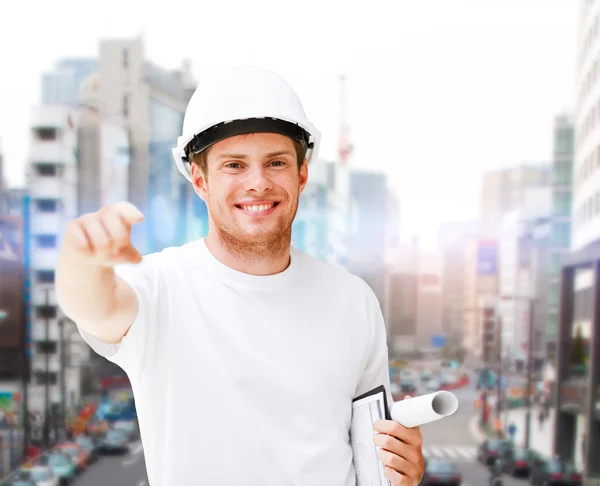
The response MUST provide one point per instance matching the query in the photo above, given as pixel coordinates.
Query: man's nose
(257, 179)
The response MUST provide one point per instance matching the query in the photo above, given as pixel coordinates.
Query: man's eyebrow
(244, 156)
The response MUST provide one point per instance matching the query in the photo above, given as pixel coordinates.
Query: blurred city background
(459, 177)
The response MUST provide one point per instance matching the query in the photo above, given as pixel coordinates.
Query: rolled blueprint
(421, 410)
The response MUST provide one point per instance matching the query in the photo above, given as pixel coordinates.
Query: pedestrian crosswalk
(451, 452)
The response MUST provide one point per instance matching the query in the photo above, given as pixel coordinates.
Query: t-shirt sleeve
(376, 371)
(133, 352)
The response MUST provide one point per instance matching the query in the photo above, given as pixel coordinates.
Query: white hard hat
(239, 100)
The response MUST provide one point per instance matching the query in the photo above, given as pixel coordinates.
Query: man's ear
(303, 174)
(199, 182)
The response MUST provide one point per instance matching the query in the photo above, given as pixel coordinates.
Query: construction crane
(344, 146)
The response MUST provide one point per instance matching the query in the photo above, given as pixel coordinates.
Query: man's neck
(253, 260)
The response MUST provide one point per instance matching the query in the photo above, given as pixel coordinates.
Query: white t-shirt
(243, 379)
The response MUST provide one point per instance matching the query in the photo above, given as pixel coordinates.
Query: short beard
(256, 249)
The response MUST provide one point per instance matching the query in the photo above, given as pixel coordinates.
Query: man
(244, 354)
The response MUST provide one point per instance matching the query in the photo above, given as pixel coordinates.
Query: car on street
(432, 385)
(87, 444)
(441, 472)
(553, 472)
(40, 475)
(491, 449)
(79, 455)
(62, 464)
(517, 461)
(113, 442)
(408, 386)
(129, 427)
(426, 375)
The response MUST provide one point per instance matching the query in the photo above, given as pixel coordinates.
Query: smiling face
(251, 189)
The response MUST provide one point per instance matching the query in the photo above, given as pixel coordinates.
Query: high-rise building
(370, 229)
(61, 86)
(402, 298)
(578, 350)
(321, 226)
(562, 207)
(481, 294)
(150, 102)
(503, 191)
(453, 240)
(523, 246)
(52, 177)
(429, 302)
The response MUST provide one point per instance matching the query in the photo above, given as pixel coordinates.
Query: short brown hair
(201, 159)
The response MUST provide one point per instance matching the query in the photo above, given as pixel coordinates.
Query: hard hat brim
(219, 132)
(208, 137)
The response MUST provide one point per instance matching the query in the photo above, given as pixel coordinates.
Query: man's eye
(278, 163)
(233, 165)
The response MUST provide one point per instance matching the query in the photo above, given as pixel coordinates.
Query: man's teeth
(257, 207)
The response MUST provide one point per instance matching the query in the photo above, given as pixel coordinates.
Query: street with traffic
(456, 448)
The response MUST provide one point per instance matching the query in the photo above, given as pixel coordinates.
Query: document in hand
(366, 410)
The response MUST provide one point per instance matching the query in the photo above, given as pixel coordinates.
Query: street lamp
(531, 301)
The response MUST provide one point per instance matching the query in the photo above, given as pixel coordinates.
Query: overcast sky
(438, 90)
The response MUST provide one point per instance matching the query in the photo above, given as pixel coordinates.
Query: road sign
(438, 341)
(512, 430)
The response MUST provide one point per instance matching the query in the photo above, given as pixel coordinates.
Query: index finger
(128, 212)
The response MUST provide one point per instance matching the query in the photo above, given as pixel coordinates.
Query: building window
(45, 169)
(562, 204)
(553, 295)
(125, 58)
(46, 205)
(552, 326)
(43, 378)
(125, 105)
(46, 134)
(555, 260)
(45, 241)
(44, 276)
(561, 234)
(44, 347)
(563, 174)
(45, 311)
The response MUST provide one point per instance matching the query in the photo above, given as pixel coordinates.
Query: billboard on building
(487, 257)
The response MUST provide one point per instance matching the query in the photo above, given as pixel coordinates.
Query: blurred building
(562, 207)
(524, 247)
(11, 201)
(453, 241)
(2, 181)
(402, 298)
(61, 86)
(12, 330)
(481, 286)
(578, 356)
(150, 103)
(321, 227)
(430, 337)
(52, 177)
(503, 191)
(369, 212)
(104, 154)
